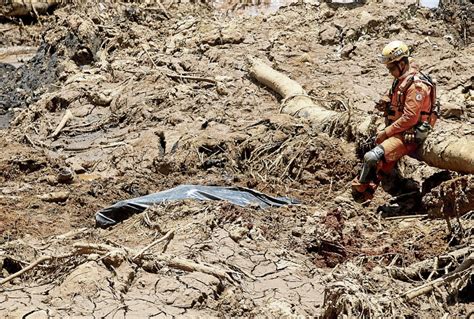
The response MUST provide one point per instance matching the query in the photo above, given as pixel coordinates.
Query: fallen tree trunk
(445, 150)
(19, 8)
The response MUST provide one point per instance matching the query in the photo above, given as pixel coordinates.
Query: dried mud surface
(161, 98)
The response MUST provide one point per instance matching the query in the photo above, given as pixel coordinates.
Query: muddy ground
(160, 97)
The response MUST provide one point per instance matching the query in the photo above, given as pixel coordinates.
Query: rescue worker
(409, 117)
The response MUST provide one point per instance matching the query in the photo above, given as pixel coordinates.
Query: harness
(432, 115)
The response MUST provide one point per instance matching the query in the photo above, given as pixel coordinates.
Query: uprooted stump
(446, 150)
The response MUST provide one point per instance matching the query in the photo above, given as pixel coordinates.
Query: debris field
(104, 102)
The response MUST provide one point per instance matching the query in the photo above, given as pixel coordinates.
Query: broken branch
(67, 116)
(186, 265)
(169, 235)
(193, 78)
(426, 266)
(31, 266)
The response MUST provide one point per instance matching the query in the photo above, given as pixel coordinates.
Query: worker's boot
(362, 192)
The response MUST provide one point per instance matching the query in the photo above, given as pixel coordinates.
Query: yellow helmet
(394, 51)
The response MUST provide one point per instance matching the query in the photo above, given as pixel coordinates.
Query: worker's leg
(394, 149)
(364, 187)
(378, 161)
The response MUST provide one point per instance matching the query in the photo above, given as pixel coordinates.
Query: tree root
(465, 269)
(415, 271)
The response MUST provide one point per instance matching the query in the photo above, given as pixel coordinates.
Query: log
(19, 8)
(16, 51)
(151, 262)
(445, 150)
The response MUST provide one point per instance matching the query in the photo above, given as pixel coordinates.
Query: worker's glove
(383, 104)
(422, 131)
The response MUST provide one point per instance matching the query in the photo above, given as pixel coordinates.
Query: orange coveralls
(408, 107)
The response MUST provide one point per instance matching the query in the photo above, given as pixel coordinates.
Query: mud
(160, 96)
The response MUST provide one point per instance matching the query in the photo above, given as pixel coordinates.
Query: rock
(351, 35)
(63, 100)
(451, 110)
(76, 167)
(99, 98)
(65, 176)
(347, 50)
(329, 35)
(297, 232)
(232, 35)
(55, 197)
(305, 57)
(237, 233)
(279, 309)
(368, 20)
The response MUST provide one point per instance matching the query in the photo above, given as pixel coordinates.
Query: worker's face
(393, 69)
(396, 68)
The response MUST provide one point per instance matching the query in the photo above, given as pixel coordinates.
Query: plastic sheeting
(237, 195)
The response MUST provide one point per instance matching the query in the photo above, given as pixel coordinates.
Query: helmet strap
(399, 68)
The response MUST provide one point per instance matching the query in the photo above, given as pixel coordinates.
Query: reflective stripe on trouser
(394, 148)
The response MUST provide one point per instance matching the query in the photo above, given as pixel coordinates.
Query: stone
(451, 110)
(329, 35)
(237, 233)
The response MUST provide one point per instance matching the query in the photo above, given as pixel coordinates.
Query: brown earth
(163, 98)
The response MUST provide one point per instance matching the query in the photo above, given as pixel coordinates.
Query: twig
(71, 233)
(406, 217)
(28, 139)
(397, 198)
(54, 197)
(67, 116)
(169, 235)
(7, 29)
(31, 266)
(114, 144)
(194, 78)
(149, 56)
(164, 10)
(35, 12)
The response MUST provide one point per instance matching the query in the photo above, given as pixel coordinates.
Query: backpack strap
(402, 90)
